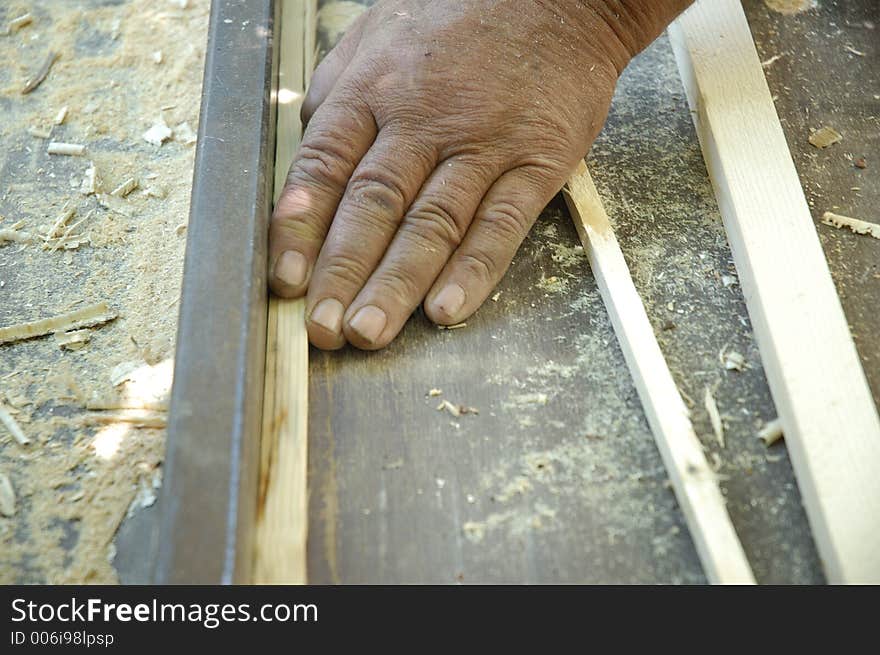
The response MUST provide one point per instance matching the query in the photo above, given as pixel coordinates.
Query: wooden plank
(694, 482)
(282, 521)
(830, 422)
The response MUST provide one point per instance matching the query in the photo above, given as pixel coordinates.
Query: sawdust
(790, 7)
(75, 483)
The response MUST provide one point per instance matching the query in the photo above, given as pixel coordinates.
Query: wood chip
(856, 225)
(69, 149)
(456, 410)
(457, 326)
(38, 77)
(135, 419)
(7, 496)
(824, 137)
(125, 188)
(39, 132)
(733, 361)
(714, 416)
(12, 426)
(61, 115)
(184, 133)
(17, 23)
(435, 392)
(73, 340)
(90, 316)
(90, 184)
(65, 215)
(11, 234)
(158, 134)
(771, 432)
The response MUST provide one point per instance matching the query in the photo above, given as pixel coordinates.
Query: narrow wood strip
(831, 426)
(282, 519)
(694, 482)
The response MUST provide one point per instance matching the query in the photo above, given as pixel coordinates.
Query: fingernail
(450, 300)
(369, 322)
(328, 314)
(291, 268)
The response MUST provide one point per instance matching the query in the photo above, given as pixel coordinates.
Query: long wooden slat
(282, 519)
(694, 482)
(828, 415)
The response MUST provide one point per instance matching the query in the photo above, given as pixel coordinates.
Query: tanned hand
(437, 131)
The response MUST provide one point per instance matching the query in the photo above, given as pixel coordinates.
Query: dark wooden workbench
(558, 479)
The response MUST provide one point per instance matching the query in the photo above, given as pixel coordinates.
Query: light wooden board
(694, 482)
(282, 520)
(830, 421)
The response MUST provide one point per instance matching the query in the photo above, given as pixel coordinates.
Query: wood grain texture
(830, 421)
(694, 482)
(282, 521)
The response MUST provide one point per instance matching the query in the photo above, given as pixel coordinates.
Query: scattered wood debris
(12, 234)
(12, 425)
(17, 23)
(456, 410)
(158, 134)
(125, 188)
(184, 133)
(90, 316)
(496, 297)
(39, 132)
(769, 62)
(69, 149)
(457, 326)
(432, 393)
(732, 360)
(853, 51)
(113, 404)
(157, 57)
(136, 419)
(61, 115)
(771, 432)
(38, 77)
(73, 340)
(714, 416)
(824, 137)
(123, 372)
(861, 163)
(66, 214)
(7, 496)
(856, 225)
(90, 184)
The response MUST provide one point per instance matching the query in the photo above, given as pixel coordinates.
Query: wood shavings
(38, 77)
(90, 184)
(61, 221)
(769, 62)
(17, 23)
(184, 133)
(69, 149)
(856, 225)
(61, 115)
(90, 316)
(733, 361)
(496, 297)
(433, 393)
(113, 404)
(714, 416)
(12, 426)
(824, 137)
(135, 419)
(157, 57)
(853, 51)
(7, 496)
(457, 326)
(11, 234)
(123, 372)
(771, 432)
(125, 188)
(158, 134)
(456, 410)
(73, 340)
(39, 132)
